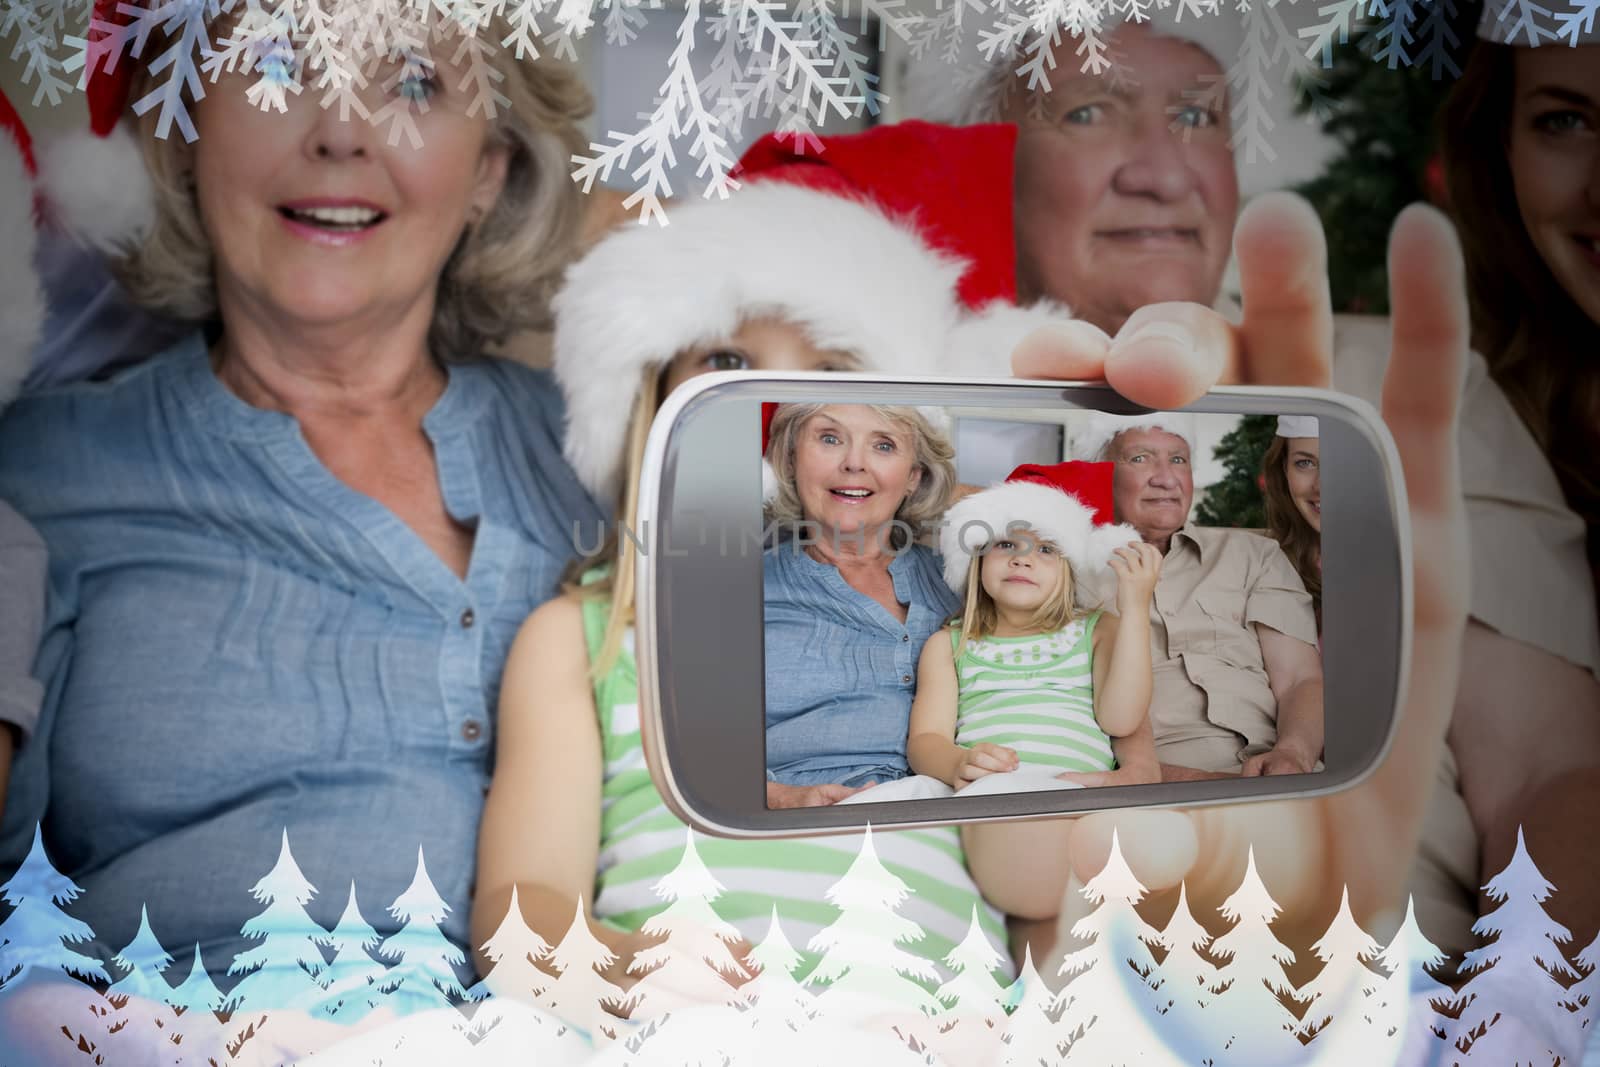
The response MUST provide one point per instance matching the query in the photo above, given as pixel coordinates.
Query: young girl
(1032, 682)
(572, 817)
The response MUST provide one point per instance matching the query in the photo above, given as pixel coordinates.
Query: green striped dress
(641, 840)
(1033, 694)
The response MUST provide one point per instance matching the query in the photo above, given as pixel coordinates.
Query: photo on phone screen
(1071, 599)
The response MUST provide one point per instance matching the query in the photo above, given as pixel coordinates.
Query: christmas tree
(581, 992)
(1339, 994)
(778, 1002)
(352, 977)
(1405, 1007)
(513, 948)
(1235, 499)
(1380, 95)
(1186, 982)
(282, 970)
(139, 1011)
(424, 974)
(1252, 1006)
(1032, 1035)
(36, 934)
(976, 1017)
(193, 1028)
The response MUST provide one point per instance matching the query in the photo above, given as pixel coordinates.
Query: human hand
(1166, 356)
(808, 796)
(981, 759)
(1133, 774)
(1137, 566)
(1283, 758)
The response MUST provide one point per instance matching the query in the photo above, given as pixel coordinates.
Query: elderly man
(1117, 194)
(1237, 676)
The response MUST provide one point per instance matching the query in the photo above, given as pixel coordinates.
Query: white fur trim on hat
(96, 189)
(1096, 431)
(982, 342)
(22, 306)
(1297, 426)
(1052, 514)
(838, 268)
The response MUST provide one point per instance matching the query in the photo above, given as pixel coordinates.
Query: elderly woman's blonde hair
(497, 281)
(930, 449)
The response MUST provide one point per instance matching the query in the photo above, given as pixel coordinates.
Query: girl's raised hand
(1137, 566)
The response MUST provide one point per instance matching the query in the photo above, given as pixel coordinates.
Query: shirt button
(468, 617)
(471, 730)
(906, 678)
(905, 637)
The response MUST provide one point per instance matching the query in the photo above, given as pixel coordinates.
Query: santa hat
(971, 87)
(22, 306)
(1098, 428)
(1531, 26)
(836, 266)
(93, 183)
(1297, 426)
(1066, 504)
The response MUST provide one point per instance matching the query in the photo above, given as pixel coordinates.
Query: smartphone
(762, 673)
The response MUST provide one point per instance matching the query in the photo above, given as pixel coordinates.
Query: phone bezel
(695, 650)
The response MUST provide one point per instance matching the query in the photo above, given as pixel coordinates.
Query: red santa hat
(1066, 504)
(22, 307)
(836, 265)
(93, 183)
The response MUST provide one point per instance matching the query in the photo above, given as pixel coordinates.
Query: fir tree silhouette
(975, 1017)
(424, 974)
(1108, 995)
(35, 936)
(193, 1028)
(693, 961)
(863, 971)
(1032, 1034)
(353, 977)
(1337, 996)
(580, 993)
(514, 949)
(1406, 1007)
(1513, 1007)
(1186, 984)
(138, 999)
(778, 1004)
(1251, 1009)
(281, 971)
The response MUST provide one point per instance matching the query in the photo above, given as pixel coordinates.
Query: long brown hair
(1542, 350)
(1285, 524)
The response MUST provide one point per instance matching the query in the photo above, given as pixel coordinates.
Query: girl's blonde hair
(931, 451)
(499, 279)
(618, 583)
(979, 617)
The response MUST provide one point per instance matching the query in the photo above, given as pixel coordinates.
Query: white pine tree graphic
(424, 974)
(353, 975)
(1186, 983)
(778, 1004)
(35, 936)
(1405, 1006)
(580, 992)
(138, 997)
(693, 962)
(1108, 999)
(1583, 996)
(194, 1028)
(280, 972)
(974, 1021)
(862, 969)
(513, 949)
(1032, 1035)
(1513, 1006)
(1260, 1028)
(1338, 1008)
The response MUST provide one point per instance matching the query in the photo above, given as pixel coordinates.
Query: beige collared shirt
(1211, 705)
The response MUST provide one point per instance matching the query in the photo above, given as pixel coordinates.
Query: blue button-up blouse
(240, 645)
(841, 670)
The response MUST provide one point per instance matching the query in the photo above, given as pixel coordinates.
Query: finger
(1074, 350)
(1283, 273)
(1167, 355)
(1252, 768)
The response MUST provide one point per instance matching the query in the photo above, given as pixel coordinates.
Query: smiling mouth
(335, 219)
(1167, 234)
(851, 494)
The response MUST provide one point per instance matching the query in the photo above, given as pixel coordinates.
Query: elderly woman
(850, 600)
(289, 555)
